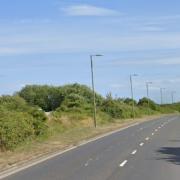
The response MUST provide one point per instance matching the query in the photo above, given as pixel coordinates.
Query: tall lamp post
(172, 96)
(132, 94)
(94, 95)
(147, 88)
(161, 92)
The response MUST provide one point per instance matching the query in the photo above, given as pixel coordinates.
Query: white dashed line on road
(141, 144)
(87, 163)
(152, 134)
(123, 163)
(134, 152)
(147, 139)
(156, 130)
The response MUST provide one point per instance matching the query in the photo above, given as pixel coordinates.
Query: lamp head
(98, 55)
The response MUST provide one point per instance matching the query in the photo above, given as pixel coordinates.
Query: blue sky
(49, 42)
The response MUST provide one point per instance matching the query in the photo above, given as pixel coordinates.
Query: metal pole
(172, 96)
(161, 91)
(94, 96)
(161, 96)
(132, 96)
(147, 86)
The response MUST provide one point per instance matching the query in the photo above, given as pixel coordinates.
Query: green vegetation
(22, 116)
(19, 122)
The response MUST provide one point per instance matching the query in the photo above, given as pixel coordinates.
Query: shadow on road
(170, 154)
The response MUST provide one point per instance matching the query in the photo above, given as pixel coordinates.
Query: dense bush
(49, 98)
(130, 101)
(22, 116)
(74, 102)
(83, 91)
(112, 108)
(15, 128)
(116, 108)
(46, 97)
(19, 122)
(144, 103)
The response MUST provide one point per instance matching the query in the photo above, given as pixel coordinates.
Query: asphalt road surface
(147, 151)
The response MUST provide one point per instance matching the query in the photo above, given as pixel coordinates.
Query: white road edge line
(15, 170)
(134, 152)
(123, 163)
(22, 167)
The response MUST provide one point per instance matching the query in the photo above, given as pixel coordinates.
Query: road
(146, 151)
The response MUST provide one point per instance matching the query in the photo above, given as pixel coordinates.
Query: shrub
(144, 103)
(19, 122)
(15, 128)
(49, 98)
(46, 97)
(111, 107)
(130, 101)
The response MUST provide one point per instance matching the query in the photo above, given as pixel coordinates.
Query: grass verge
(60, 140)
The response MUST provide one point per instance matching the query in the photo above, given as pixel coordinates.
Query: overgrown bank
(23, 119)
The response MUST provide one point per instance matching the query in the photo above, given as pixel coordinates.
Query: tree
(129, 101)
(144, 103)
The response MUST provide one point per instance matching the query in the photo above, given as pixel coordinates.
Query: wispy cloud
(88, 10)
(75, 43)
(149, 29)
(161, 61)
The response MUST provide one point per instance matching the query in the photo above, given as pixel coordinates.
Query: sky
(50, 41)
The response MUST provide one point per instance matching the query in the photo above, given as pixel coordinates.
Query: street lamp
(132, 95)
(94, 95)
(161, 92)
(172, 96)
(147, 87)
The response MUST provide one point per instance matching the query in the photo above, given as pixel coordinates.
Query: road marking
(87, 163)
(123, 163)
(134, 152)
(159, 127)
(141, 144)
(152, 134)
(15, 170)
(156, 130)
(147, 138)
(27, 165)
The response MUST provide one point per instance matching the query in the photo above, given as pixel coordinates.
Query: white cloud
(66, 42)
(88, 10)
(155, 61)
(149, 29)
